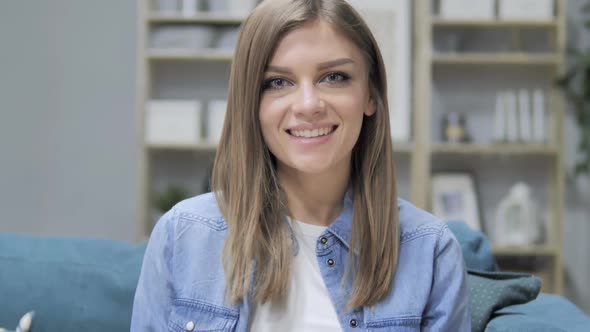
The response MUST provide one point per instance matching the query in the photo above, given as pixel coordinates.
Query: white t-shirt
(308, 306)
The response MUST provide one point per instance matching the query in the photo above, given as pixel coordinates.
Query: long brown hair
(258, 250)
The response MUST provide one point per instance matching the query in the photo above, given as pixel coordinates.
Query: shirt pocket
(196, 316)
(398, 324)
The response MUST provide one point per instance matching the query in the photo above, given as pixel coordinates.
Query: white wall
(67, 128)
(577, 223)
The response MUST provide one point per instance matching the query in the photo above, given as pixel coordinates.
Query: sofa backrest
(72, 284)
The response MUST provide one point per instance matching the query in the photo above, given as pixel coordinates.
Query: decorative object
(389, 22)
(454, 130)
(517, 218)
(242, 7)
(215, 117)
(576, 86)
(173, 122)
(454, 198)
(467, 9)
(182, 37)
(541, 10)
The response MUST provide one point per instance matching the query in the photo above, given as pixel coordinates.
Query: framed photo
(454, 197)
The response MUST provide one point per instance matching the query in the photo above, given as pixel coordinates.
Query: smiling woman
(304, 230)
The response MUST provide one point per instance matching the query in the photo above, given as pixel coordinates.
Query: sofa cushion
(492, 291)
(477, 250)
(72, 284)
(548, 313)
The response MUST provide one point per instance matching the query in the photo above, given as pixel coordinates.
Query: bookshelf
(416, 161)
(435, 73)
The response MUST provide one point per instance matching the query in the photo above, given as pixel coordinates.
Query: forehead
(316, 41)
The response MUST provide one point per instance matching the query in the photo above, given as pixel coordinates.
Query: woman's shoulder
(415, 222)
(200, 209)
(193, 220)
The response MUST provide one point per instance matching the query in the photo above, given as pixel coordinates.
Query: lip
(311, 142)
(312, 126)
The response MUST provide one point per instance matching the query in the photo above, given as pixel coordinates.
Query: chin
(312, 166)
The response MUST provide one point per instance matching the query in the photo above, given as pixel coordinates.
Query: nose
(308, 102)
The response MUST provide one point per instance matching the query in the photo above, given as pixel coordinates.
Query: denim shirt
(182, 283)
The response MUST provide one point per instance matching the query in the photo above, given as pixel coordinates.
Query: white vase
(517, 219)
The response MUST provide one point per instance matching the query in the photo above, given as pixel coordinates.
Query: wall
(67, 85)
(577, 207)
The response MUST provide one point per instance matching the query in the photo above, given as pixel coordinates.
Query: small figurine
(454, 130)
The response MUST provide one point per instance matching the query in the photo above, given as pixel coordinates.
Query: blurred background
(111, 110)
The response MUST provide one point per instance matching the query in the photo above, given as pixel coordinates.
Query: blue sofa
(76, 284)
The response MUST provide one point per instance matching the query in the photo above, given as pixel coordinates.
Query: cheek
(269, 120)
(351, 107)
(264, 114)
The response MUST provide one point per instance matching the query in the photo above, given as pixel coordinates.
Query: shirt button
(190, 326)
(354, 323)
(330, 262)
(324, 240)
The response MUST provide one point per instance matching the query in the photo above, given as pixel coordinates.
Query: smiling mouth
(311, 133)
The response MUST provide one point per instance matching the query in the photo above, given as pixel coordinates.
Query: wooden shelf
(443, 22)
(494, 149)
(204, 18)
(222, 55)
(199, 147)
(495, 59)
(532, 250)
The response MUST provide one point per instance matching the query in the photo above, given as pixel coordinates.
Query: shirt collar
(342, 226)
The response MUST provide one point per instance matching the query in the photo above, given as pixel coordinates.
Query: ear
(371, 107)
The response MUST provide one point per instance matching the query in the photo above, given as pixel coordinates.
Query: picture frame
(454, 198)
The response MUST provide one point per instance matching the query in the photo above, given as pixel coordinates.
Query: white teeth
(311, 133)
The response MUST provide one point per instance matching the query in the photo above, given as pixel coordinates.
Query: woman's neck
(314, 198)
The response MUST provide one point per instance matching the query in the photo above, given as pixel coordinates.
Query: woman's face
(314, 96)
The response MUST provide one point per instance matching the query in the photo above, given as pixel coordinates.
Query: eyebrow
(321, 66)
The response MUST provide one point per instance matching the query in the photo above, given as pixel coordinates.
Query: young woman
(303, 230)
